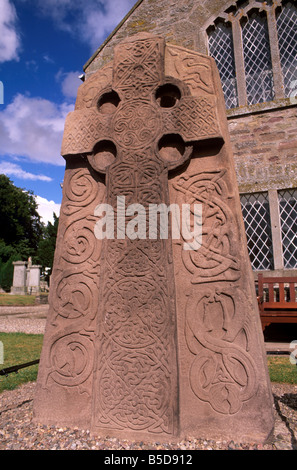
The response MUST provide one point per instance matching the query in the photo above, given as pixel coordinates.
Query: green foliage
(6, 251)
(46, 247)
(20, 225)
(6, 272)
(20, 228)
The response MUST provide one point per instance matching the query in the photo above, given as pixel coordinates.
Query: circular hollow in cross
(104, 154)
(108, 102)
(171, 148)
(168, 95)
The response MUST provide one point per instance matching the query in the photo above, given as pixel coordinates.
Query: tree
(6, 272)
(20, 228)
(20, 225)
(46, 247)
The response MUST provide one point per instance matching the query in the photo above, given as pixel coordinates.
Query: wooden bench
(277, 299)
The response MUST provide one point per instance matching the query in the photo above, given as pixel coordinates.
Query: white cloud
(48, 59)
(33, 128)
(46, 209)
(12, 169)
(9, 37)
(69, 83)
(100, 21)
(90, 20)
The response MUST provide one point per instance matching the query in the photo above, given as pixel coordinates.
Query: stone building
(254, 44)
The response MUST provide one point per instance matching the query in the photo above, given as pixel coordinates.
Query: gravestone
(19, 278)
(33, 279)
(152, 336)
(26, 278)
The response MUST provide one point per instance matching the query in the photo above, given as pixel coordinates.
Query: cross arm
(83, 129)
(193, 118)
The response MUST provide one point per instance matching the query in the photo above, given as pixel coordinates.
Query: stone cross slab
(146, 340)
(146, 122)
(140, 108)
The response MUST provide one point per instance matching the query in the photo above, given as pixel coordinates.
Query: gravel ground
(24, 319)
(23, 325)
(18, 432)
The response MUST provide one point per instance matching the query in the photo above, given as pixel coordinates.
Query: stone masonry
(264, 147)
(263, 136)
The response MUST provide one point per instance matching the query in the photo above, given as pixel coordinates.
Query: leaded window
(287, 37)
(256, 216)
(288, 220)
(254, 44)
(257, 60)
(221, 49)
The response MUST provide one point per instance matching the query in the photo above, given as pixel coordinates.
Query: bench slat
(281, 292)
(292, 293)
(281, 308)
(280, 305)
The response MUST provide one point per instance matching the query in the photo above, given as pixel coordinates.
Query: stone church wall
(263, 135)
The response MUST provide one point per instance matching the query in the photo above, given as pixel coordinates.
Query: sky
(44, 45)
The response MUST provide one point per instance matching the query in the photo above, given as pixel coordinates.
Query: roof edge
(111, 34)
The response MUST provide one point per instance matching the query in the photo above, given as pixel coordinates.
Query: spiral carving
(136, 124)
(79, 242)
(72, 360)
(80, 191)
(74, 285)
(75, 296)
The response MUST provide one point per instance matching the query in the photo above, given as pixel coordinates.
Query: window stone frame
(234, 15)
(276, 231)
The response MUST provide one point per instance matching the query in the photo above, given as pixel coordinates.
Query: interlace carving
(144, 338)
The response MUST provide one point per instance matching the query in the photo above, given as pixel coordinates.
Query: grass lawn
(10, 300)
(281, 370)
(19, 348)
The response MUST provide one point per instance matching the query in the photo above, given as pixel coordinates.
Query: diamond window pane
(288, 217)
(221, 49)
(257, 58)
(287, 37)
(256, 216)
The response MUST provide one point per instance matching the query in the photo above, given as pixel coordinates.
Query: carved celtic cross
(148, 124)
(145, 339)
